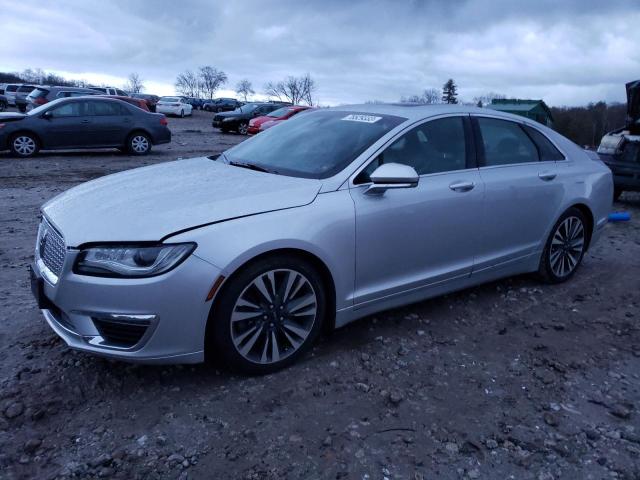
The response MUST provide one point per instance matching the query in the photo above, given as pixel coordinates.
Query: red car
(136, 102)
(278, 115)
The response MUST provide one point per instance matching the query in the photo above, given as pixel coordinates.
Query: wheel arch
(588, 214)
(316, 261)
(139, 130)
(22, 131)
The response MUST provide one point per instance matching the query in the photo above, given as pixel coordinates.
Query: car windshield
(281, 112)
(46, 106)
(169, 99)
(249, 107)
(317, 145)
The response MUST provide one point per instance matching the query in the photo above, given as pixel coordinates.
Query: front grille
(120, 334)
(51, 248)
(217, 118)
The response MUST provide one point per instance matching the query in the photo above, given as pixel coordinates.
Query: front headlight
(131, 260)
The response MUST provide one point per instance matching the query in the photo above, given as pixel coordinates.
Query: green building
(534, 109)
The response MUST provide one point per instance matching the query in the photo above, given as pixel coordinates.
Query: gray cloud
(568, 52)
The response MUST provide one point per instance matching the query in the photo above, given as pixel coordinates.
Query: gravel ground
(510, 380)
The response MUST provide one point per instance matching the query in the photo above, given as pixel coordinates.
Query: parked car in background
(111, 91)
(279, 115)
(45, 94)
(136, 102)
(221, 105)
(2, 87)
(620, 149)
(21, 96)
(82, 122)
(174, 106)
(333, 216)
(238, 120)
(3, 103)
(151, 100)
(196, 103)
(10, 92)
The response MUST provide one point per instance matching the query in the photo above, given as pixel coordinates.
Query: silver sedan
(329, 217)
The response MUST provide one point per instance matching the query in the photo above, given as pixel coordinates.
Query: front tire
(139, 144)
(24, 145)
(565, 247)
(181, 113)
(267, 315)
(3, 106)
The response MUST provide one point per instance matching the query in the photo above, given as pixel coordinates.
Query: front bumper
(171, 311)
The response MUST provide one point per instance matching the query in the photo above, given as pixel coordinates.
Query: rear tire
(139, 143)
(24, 145)
(243, 128)
(289, 301)
(3, 106)
(565, 247)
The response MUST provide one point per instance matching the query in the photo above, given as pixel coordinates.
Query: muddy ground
(510, 380)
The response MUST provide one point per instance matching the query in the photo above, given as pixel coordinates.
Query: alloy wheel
(24, 145)
(273, 316)
(139, 144)
(567, 246)
(243, 128)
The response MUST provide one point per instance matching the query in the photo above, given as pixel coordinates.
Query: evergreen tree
(450, 92)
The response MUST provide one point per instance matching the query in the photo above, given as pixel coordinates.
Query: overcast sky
(568, 52)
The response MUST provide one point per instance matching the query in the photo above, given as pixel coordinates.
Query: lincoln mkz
(332, 216)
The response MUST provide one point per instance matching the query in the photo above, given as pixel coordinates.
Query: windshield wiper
(250, 166)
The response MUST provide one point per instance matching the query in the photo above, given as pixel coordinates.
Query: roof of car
(413, 111)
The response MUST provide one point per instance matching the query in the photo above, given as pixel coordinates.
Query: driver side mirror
(392, 175)
(47, 115)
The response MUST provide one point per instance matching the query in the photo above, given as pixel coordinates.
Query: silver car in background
(332, 216)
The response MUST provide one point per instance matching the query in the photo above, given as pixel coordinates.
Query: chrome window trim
(406, 129)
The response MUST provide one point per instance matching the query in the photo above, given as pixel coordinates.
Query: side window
(548, 151)
(505, 143)
(433, 147)
(104, 108)
(71, 109)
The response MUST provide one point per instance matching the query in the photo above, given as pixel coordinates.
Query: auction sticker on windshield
(362, 118)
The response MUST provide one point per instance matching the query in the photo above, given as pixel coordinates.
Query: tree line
(583, 125)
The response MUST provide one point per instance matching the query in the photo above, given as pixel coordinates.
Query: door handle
(462, 186)
(547, 176)
(84, 121)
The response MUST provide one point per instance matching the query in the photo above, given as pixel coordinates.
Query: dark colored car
(147, 97)
(70, 123)
(280, 114)
(620, 149)
(136, 102)
(3, 103)
(238, 120)
(45, 94)
(21, 96)
(221, 105)
(196, 103)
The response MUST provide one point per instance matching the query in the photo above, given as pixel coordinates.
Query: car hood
(150, 203)
(11, 116)
(633, 101)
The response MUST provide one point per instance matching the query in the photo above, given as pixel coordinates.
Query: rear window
(39, 93)
(548, 152)
(11, 88)
(25, 88)
(169, 99)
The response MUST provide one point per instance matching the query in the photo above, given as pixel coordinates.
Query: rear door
(110, 123)
(68, 125)
(522, 193)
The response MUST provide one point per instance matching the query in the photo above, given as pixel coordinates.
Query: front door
(67, 125)
(407, 239)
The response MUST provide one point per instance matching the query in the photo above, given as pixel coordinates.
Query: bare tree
(293, 89)
(187, 84)
(134, 83)
(428, 97)
(210, 80)
(485, 99)
(244, 88)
